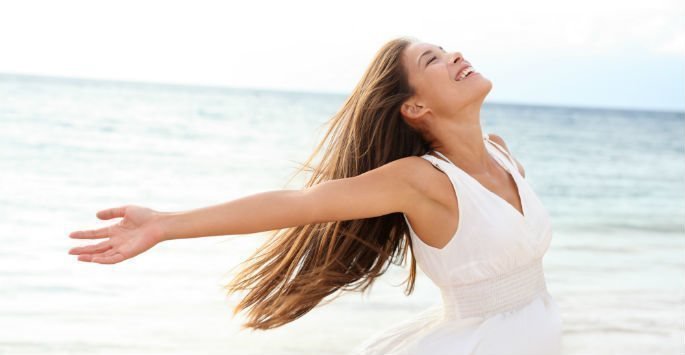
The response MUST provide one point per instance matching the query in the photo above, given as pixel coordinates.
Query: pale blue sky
(621, 54)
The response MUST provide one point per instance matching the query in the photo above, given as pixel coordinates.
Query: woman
(407, 167)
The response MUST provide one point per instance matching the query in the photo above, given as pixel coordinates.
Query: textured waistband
(502, 293)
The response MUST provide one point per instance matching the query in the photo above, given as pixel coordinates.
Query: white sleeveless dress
(494, 296)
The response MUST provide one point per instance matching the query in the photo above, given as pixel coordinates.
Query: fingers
(111, 213)
(91, 234)
(111, 256)
(89, 256)
(102, 232)
(91, 249)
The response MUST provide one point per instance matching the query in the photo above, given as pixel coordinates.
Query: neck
(460, 139)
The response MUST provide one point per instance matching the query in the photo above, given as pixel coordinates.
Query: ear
(413, 109)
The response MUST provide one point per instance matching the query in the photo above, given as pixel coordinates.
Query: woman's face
(433, 73)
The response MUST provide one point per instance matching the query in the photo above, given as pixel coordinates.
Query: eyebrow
(418, 62)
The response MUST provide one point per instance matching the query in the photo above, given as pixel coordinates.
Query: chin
(484, 86)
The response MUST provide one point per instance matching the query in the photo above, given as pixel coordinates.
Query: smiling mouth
(466, 72)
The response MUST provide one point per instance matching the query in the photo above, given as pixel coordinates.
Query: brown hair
(298, 267)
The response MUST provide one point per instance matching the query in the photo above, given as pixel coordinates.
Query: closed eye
(432, 59)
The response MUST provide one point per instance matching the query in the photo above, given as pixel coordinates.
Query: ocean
(612, 180)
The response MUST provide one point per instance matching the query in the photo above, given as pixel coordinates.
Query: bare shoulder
(499, 140)
(397, 186)
(417, 171)
(434, 216)
(413, 168)
(426, 180)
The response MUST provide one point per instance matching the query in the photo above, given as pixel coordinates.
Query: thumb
(112, 213)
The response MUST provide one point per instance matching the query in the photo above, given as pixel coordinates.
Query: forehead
(420, 47)
(416, 49)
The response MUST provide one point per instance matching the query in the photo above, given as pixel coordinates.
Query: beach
(613, 182)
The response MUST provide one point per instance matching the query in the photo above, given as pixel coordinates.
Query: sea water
(612, 180)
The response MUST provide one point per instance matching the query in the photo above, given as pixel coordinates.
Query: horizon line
(319, 92)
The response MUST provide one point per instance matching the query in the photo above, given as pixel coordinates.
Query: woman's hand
(139, 231)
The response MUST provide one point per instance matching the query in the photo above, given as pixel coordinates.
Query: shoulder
(425, 179)
(499, 140)
(389, 188)
(414, 169)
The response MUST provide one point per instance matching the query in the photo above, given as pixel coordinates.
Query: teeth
(464, 73)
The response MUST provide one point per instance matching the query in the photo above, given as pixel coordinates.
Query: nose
(456, 56)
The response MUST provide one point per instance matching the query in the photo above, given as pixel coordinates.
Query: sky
(593, 53)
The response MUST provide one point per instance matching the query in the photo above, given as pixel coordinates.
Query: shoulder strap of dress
(438, 163)
(504, 151)
(443, 156)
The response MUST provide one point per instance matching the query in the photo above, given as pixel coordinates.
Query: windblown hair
(298, 267)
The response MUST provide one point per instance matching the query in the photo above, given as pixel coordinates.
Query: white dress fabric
(494, 296)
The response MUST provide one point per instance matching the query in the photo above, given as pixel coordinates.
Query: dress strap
(436, 162)
(443, 155)
(504, 151)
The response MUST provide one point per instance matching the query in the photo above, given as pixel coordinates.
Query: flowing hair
(298, 267)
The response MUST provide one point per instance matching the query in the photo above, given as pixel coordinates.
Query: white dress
(494, 296)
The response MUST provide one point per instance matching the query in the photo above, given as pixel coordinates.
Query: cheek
(439, 90)
(442, 88)
(438, 84)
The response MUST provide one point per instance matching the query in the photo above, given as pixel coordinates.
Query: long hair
(298, 267)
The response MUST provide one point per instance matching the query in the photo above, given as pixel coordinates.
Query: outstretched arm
(250, 214)
(377, 192)
(386, 189)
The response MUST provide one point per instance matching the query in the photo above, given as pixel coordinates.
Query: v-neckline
(523, 215)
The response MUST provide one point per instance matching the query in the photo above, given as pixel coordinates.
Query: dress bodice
(493, 240)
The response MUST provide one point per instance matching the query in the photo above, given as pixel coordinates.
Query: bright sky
(598, 53)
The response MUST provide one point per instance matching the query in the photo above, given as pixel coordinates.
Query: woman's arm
(393, 187)
(380, 191)
(250, 214)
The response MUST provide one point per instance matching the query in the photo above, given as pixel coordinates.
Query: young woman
(406, 168)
